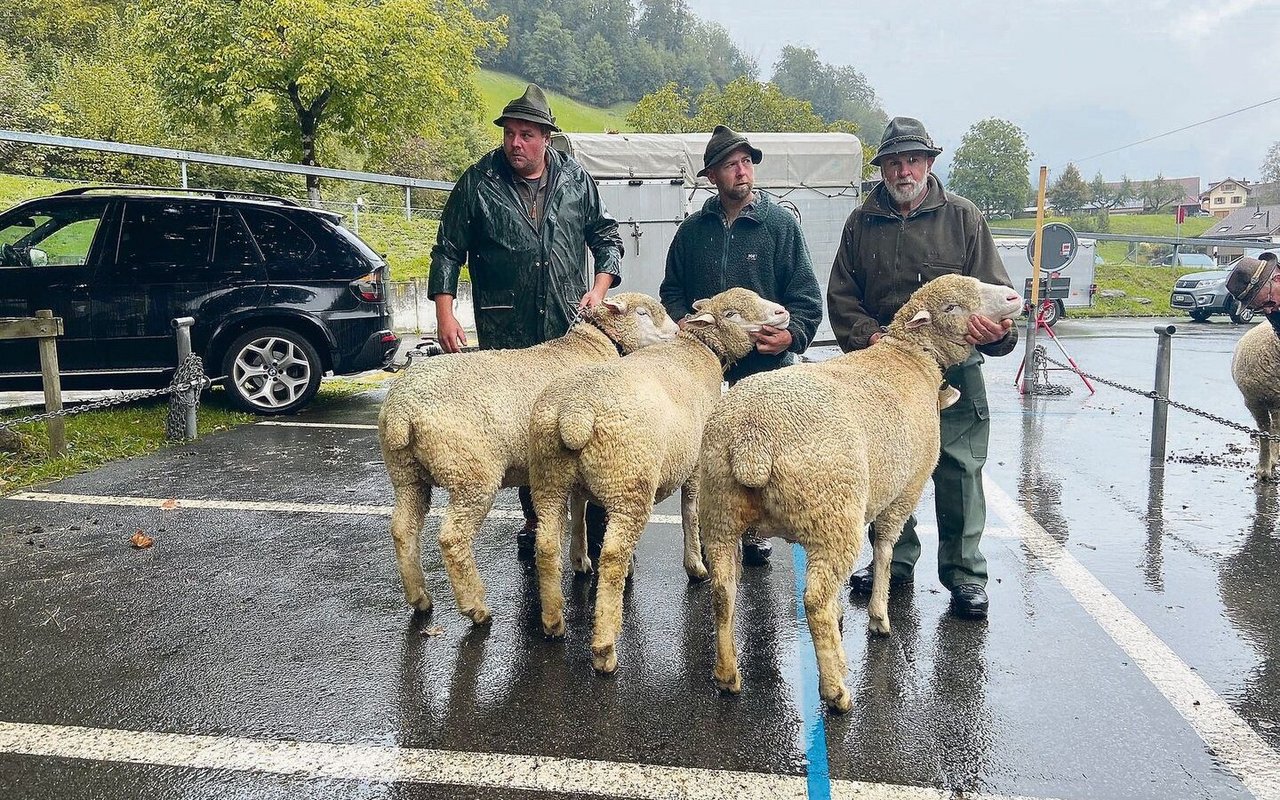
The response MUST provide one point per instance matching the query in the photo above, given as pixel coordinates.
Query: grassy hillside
(498, 88)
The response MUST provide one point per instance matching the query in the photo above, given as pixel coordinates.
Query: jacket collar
(755, 211)
(879, 203)
(495, 165)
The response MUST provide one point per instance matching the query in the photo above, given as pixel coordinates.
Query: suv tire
(1201, 314)
(271, 371)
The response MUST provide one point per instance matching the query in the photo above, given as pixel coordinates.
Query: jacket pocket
(495, 300)
(937, 268)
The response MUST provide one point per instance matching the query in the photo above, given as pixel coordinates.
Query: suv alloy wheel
(271, 371)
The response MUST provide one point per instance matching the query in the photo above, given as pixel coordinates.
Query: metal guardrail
(1194, 241)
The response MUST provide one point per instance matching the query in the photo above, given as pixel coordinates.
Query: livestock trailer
(649, 183)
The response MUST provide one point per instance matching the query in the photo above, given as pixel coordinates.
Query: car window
(278, 238)
(165, 240)
(232, 245)
(56, 235)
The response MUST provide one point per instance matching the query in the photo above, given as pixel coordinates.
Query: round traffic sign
(1060, 245)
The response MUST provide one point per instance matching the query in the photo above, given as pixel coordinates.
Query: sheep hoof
(879, 625)
(604, 659)
(697, 572)
(553, 628)
(421, 603)
(842, 701)
(728, 681)
(582, 566)
(479, 615)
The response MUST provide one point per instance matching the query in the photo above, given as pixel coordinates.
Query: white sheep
(815, 452)
(461, 422)
(1255, 367)
(625, 434)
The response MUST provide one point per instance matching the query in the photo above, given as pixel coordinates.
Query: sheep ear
(703, 320)
(921, 319)
(698, 304)
(615, 305)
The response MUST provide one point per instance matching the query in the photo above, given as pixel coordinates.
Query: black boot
(597, 519)
(527, 536)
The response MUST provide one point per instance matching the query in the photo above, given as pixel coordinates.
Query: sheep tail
(397, 430)
(751, 458)
(577, 422)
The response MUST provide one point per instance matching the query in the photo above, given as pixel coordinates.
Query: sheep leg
(1266, 448)
(724, 557)
(462, 518)
(578, 534)
(887, 528)
(823, 579)
(413, 500)
(621, 535)
(693, 566)
(549, 502)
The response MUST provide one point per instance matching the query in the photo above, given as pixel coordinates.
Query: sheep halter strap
(590, 321)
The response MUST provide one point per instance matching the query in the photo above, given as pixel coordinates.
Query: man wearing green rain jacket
(522, 219)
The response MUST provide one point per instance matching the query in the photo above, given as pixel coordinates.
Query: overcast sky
(1079, 77)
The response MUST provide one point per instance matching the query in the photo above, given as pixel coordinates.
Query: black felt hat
(531, 106)
(722, 143)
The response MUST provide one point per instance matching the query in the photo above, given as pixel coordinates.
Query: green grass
(1152, 283)
(1124, 252)
(131, 430)
(498, 88)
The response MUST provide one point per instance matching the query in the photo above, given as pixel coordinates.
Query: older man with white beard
(909, 231)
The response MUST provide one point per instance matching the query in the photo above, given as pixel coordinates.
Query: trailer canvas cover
(648, 183)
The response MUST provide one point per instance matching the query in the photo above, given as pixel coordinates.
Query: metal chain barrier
(1154, 395)
(1040, 373)
(184, 396)
(189, 376)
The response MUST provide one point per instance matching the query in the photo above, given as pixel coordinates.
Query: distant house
(1251, 222)
(1221, 199)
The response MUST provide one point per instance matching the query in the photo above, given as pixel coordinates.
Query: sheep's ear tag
(921, 319)
(703, 320)
(614, 305)
(947, 396)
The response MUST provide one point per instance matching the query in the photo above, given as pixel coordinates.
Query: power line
(1178, 130)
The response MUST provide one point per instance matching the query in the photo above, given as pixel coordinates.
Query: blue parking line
(814, 732)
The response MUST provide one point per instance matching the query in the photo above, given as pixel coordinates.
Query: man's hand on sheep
(595, 296)
(983, 330)
(771, 341)
(450, 334)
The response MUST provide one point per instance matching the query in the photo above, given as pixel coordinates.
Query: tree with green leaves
(1069, 193)
(663, 111)
(549, 57)
(365, 73)
(835, 92)
(990, 166)
(1159, 193)
(1105, 196)
(747, 105)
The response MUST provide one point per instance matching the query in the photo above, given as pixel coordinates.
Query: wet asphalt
(287, 623)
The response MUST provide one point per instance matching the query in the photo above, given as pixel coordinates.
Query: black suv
(280, 293)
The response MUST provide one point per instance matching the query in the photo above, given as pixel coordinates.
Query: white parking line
(438, 767)
(174, 503)
(1228, 737)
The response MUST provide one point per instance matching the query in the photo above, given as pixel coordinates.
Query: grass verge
(95, 438)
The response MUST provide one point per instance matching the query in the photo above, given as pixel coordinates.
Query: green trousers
(957, 485)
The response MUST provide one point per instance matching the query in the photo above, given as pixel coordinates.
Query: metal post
(408, 202)
(1028, 358)
(183, 165)
(52, 381)
(1160, 405)
(182, 329)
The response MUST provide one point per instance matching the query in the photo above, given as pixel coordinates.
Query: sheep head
(937, 316)
(633, 320)
(727, 322)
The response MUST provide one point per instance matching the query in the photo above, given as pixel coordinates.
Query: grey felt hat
(903, 135)
(531, 106)
(722, 143)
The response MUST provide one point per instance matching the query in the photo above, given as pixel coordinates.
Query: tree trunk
(308, 125)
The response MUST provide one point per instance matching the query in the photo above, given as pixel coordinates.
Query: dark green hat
(902, 135)
(1250, 275)
(722, 143)
(531, 106)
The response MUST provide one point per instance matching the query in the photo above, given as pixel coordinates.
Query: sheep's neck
(910, 346)
(710, 343)
(606, 335)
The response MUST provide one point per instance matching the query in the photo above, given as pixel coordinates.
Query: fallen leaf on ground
(169, 505)
(434, 630)
(140, 540)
